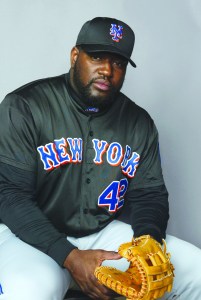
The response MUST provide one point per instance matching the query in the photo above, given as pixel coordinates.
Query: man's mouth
(102, 84)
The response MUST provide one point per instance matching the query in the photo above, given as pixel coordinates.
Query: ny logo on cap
(116, 32)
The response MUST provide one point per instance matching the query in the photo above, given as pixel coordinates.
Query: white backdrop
(37, 35)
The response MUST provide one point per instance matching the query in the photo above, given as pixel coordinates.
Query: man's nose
(106, 68)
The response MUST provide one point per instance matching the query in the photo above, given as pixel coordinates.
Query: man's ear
(74, 56)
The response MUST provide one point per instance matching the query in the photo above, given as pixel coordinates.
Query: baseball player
(75, 156)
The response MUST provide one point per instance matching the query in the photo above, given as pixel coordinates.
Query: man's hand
(82, 263)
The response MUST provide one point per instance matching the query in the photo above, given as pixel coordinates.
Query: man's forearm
(20, 213)
(149, 211)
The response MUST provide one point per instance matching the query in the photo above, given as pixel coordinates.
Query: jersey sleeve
(149, 172)
(18, 133)
(147, 196)
(18, 206)
(148, 210)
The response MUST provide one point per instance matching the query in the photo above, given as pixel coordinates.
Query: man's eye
(120, 63)
(96, 57)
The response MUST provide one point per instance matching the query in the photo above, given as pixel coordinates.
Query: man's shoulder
(36, 93)
(132, 108)
(136, 118)
(36, 97)
(39, 86)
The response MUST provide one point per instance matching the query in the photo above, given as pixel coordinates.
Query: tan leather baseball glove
(149, 275)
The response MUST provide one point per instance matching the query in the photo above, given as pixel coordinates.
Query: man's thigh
(27, 273)
(185, 257)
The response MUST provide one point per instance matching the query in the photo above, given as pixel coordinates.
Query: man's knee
(186, 259)
(40, 282)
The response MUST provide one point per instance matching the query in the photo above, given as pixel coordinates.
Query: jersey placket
(87, 176)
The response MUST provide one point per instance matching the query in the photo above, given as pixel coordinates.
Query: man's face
(97, 77)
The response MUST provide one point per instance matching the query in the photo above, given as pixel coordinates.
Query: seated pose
(75, 154)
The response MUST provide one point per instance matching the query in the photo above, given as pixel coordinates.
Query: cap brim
(106, 48)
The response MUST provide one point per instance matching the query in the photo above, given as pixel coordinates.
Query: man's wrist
(69, 258)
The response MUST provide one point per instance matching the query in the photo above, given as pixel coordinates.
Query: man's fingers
(82, 264)
(99, 290)
(96, 291)
(111, 255)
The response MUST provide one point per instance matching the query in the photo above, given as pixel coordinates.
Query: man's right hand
(82, 263)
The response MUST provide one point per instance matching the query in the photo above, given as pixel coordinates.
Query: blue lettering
(100, 148)
(114, 154)
(131, 165)
(76, 149)
(48, 156)
(116, 32)
(126, 156)
(61, 147)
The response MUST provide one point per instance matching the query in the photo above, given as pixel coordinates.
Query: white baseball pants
(28, 274)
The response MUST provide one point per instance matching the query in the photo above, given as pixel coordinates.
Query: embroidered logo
(116, 33)
(1, 290)
(92, 109)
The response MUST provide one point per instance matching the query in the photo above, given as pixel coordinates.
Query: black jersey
(85, 161)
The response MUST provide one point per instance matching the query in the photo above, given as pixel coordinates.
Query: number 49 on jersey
(113, 195)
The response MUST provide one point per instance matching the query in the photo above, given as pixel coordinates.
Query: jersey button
(88, 180)
(91, 133)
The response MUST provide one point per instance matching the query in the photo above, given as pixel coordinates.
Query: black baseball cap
(103, 34)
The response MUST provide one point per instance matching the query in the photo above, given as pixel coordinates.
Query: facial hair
(85, 94)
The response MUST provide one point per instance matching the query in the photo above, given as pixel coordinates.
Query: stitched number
(123, 185)
(113, 195)
(109, 196)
